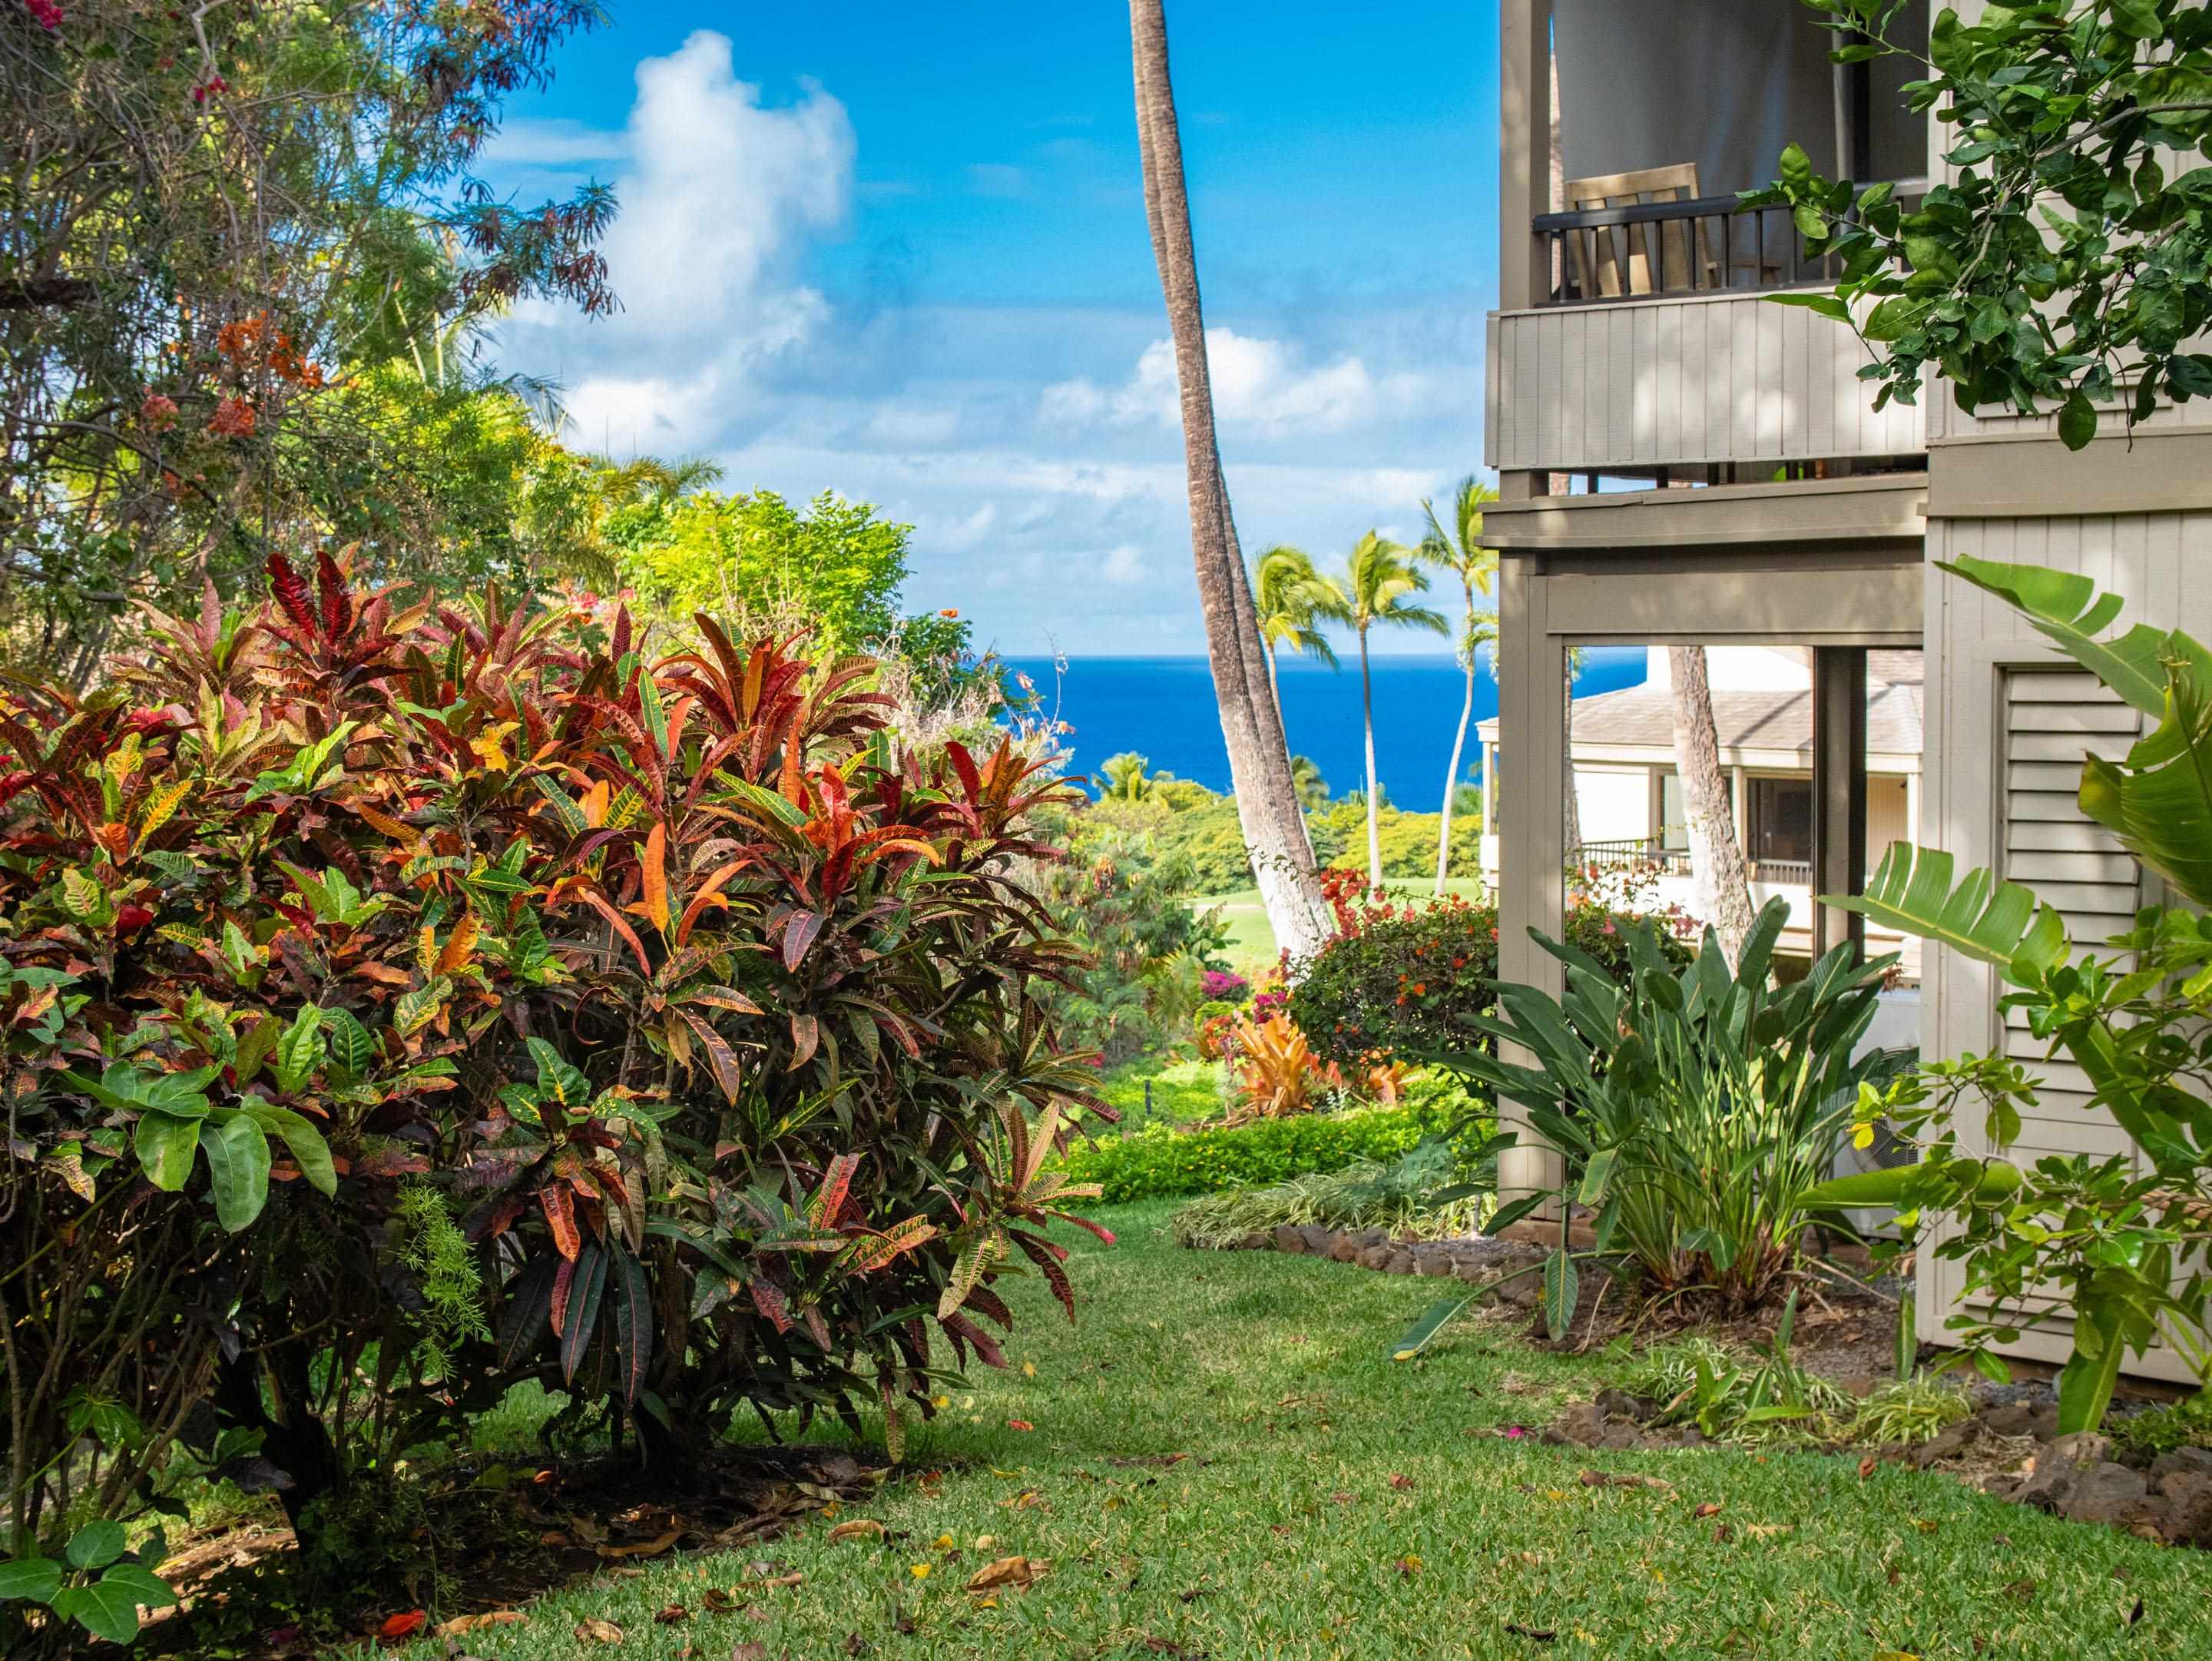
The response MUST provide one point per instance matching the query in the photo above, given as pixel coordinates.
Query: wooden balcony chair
(1611, 260)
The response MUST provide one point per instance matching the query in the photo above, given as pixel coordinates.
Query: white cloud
(721, 196)
(524, 142)
(1123, 565)
(1262, 385)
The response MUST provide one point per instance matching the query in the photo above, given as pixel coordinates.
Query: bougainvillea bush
(402, 1000)
(1405, 981)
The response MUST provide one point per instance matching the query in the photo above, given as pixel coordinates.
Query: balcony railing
(1652, 857)
(1705, 245)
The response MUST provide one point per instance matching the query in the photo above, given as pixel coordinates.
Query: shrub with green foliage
(1411, 979)
(1157, 1161)
(402, 1002)
(1423, 1194)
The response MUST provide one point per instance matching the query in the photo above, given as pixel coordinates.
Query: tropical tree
(1380, 580)
(1460, 552)
(1312, 788)
(1294, 601)
(2061, 260)
(1716, 861)
(1251, 722)
(1121, 778)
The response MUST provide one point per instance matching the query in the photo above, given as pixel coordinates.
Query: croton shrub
(403, 1000)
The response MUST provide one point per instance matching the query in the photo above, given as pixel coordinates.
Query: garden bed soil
(2010, 1447)
(525, 1527)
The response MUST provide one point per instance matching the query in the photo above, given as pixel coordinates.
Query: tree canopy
(2062, 261)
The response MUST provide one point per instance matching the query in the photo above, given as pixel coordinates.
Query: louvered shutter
(2051, 720)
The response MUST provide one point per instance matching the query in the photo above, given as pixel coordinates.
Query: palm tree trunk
(1251, 721)
(1367, 708)
(1573, 804)
(1275, 686)
(1716, 861)
(1459, 743)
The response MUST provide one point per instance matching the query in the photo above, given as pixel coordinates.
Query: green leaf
(1433, 1319)
(1562, 1289)
(1511, 1213)
(2158, 802)
(1993, 922)
(31, 1579)
(1825, 304)
(166, 1146)
(2087, 1381)
(2067, 609)
(104, 1610)
(238, 1164)
(1596, 1176)
(305, 1142)
(97, 1544)
(135, 1580)
(1796, 168)
(299, 1051)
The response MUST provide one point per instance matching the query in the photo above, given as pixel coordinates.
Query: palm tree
(1312, 788)
(1460, 550)
(1123, 777)
(1294, 599)
(1380, 582)
(1251, 722)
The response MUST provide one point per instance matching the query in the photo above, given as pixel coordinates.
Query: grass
(1183, 1092)
(1251, 949)
(1335, 1505)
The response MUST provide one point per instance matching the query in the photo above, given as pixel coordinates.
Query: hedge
(1157, 1162)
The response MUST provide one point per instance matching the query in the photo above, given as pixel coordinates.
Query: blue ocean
(1163, 709)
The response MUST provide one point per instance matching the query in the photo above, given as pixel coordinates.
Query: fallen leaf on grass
(718, 1602)
(1724, 1534)
(598, 1631)
(856, 1645)
(2022, 1590)
(1895, 1655)
(397, 1626)
(752, 1651)
(644, 1547)
(1710, 1508)
(1868, 1466)
(1019, 1424)
(1408, 1567)
(1008, 1572)
(1400, 1481)
(1541, 1634)
(1926, 1524)
(670, 1614)
(1342, 1497)
(860, 1528)
(1767, 1530)
(461, 1623)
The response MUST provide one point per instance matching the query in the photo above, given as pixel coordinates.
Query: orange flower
(233, 418)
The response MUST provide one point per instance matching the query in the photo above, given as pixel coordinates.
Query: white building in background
(1629, 798)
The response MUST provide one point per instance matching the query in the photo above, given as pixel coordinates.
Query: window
(1781, 819)
(1673, 814)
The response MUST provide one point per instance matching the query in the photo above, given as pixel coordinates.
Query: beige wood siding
(1681, 382)
(2009, 720)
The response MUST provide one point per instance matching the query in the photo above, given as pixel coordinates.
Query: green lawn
(1335, 1505)
(1183, 1092)
(1252, 942)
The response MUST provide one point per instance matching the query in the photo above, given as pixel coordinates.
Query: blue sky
(899, 251)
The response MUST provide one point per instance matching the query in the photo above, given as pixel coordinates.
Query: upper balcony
(1635, 339)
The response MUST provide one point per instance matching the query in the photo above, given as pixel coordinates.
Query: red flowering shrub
(1404, 981)
(476, 990)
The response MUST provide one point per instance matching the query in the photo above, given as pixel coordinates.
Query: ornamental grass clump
(402, 1000)
(1696, 1108)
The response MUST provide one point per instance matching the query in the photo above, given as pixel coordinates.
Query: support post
(1839, 792)
(1524, 152)
(1532, 717)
